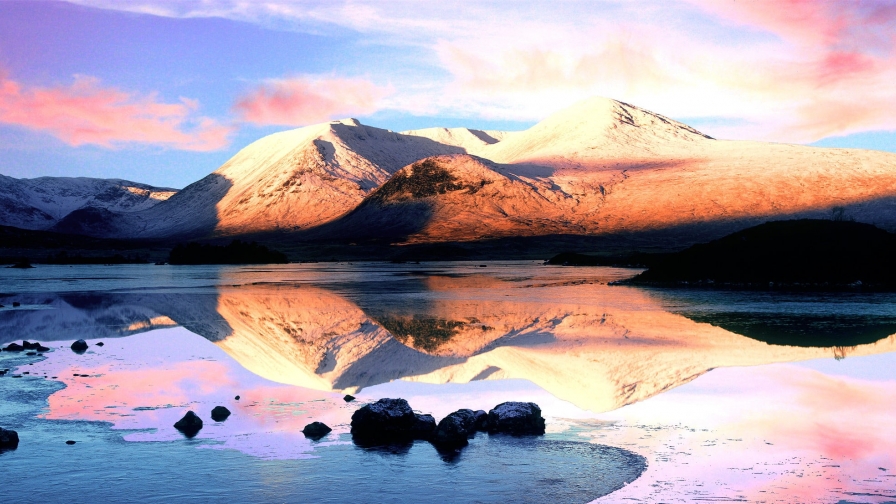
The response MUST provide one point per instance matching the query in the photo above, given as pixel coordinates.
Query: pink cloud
(87, 113)
(302, 100)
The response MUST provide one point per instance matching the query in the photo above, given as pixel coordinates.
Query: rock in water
(14, 347)
(424, 427)
(516, 418)
(480, 418)
(69, 442)
(316, 430)
(100, 343)
(220, 413)
(237, 398)
(348, 398)
(189, 425)
(383, 421)
(79, 346)
(9, 439)
(454, 430)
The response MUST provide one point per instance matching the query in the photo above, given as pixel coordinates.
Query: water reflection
(597, 346)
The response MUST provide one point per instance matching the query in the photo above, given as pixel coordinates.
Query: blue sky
(165, 91)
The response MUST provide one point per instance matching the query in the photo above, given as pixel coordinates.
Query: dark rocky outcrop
(316, 430)
(516, 418)
(348, 398)
(14, 347)
(805, 254)
(189, 425)
(9, 439)
(424, 427)
(384, 421)
(455, 429)
(79, 346)
(220, 413)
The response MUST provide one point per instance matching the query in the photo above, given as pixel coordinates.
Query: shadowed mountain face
(595, 345)
(599, 168)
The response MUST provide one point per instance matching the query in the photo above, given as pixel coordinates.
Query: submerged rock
(79, 346)
(189, 425)
(424, 427)
(454, 430)
(383, 421)
(516, 418)
(220, 413)
(316, 430)
(9, 439)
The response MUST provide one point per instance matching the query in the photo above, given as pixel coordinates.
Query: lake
(649, 395)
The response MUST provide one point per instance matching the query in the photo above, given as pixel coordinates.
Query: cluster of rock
(393, 420)
(26, 345)
(191, 424)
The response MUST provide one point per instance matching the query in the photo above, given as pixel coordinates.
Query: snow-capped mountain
(40, 203)
(600, 167)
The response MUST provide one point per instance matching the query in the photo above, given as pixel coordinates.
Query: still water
(649, 395)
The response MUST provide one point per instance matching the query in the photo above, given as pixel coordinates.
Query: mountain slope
(287, 181)
(39, 203)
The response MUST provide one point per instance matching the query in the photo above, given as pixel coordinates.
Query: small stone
(79, 346)
(516, 418)
(424, 427)
(69, 442)
(454, 430)
(348, 398)
(9, 439)
(220, 413)
(316, 430)
(382, 422)
(480, 420)
(100, 343)
(189, 425)
(30, 353)
(237, 398)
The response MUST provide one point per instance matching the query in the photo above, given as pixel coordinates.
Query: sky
(165, 91)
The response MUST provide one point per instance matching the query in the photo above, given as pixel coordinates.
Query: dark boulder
(100, 343)
(27, 345)
(41, 348)
(79, 346)
(220, 413)
(348, 398)
(9, 439)
(316, 430)
(16, 304)
(480, 420)
(383, 421)
(237, 398)
(69, 442)
(189, 425)
(424, 427)
(14, 347)
(516, 418)
(454, 430)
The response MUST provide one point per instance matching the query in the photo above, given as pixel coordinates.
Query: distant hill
(794, 254)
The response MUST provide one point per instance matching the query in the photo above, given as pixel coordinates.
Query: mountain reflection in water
(597, 346)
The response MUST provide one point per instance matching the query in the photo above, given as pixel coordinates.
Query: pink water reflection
(776, 433)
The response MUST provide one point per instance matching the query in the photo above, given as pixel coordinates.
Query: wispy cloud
(306, 100)
(791, 70)
(85, 112)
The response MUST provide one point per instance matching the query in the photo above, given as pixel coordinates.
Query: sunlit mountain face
(598, 168)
